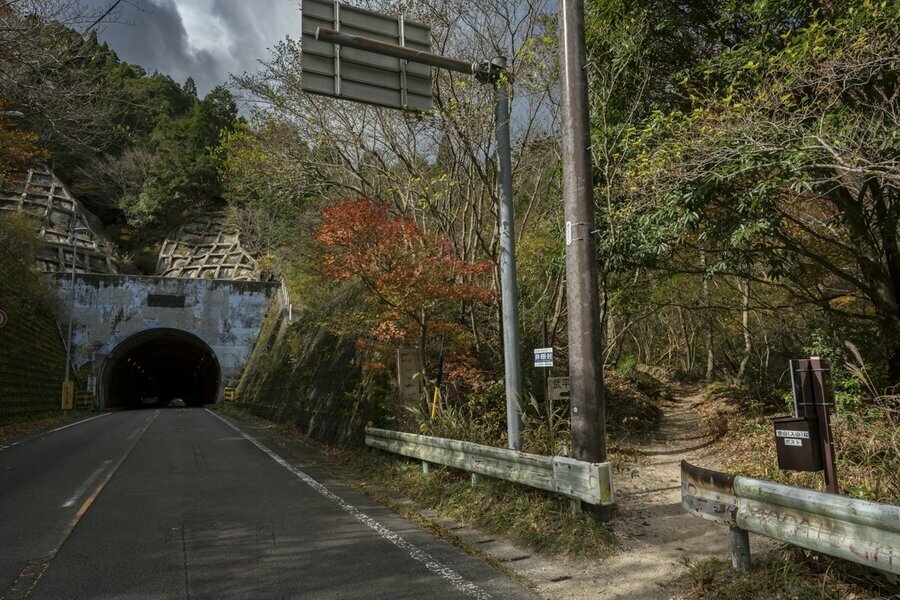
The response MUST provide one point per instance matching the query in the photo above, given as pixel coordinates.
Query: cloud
(203, 39)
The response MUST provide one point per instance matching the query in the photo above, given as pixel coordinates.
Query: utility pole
(585, 366)
(68, 391)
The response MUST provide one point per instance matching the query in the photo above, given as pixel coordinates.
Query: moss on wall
(300, 373)
(32, 354)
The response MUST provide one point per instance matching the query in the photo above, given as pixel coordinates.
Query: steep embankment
(302, 374)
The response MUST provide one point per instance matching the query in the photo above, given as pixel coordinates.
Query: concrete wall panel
(108, 309)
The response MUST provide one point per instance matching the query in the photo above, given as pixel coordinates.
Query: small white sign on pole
(543, 357)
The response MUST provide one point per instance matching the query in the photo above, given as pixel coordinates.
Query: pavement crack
(184, 562)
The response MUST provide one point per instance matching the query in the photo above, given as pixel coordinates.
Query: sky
(203, 39)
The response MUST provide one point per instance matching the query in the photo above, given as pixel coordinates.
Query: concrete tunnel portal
(154, 367)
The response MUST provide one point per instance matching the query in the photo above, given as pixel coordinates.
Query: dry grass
(867, 445)
(790, 573)
(868, 465)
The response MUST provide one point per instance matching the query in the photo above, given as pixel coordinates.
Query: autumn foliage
(19, 149)
(416, 279)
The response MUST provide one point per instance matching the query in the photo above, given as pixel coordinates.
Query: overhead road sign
(356, 74)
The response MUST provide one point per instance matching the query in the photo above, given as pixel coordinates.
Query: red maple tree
(417, 279)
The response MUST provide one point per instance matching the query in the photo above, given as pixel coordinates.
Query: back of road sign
(359, 75)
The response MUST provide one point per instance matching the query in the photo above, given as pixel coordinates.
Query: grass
(868, 467)
(531, 518)
(790, 573)
(13, 429)
(867, 446)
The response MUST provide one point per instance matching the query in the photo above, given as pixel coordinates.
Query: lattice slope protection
(206, 248)
(62, 221)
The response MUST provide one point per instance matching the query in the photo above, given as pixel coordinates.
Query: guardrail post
(575, 506)
(476, 479)
(740, 549)
(426, 467)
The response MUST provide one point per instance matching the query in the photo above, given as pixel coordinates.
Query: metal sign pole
(509, 294)
(585, 367)
(819, 374)
(485, 73)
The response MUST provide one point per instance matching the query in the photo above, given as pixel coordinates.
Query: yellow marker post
(434, 403)
(68, 395)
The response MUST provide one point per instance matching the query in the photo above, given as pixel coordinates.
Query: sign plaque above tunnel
(333, 70)
(165, 301)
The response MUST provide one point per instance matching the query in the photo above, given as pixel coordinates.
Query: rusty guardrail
(864, 532)
(579, 480)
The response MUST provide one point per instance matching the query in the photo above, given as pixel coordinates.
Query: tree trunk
(707, 317)
(745, 324)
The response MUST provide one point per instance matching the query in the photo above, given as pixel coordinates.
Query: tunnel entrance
(158, 367)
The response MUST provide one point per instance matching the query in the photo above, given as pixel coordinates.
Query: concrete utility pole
(68, 388)
(585, 364)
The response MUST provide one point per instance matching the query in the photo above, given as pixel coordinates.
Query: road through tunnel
(155, 367)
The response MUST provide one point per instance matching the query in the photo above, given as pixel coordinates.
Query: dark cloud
(203, 39)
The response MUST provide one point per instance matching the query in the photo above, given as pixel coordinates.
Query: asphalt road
(181, 503)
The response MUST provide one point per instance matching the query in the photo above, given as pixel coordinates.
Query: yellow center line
(45, 561)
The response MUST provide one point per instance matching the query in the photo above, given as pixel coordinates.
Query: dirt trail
(659, 539)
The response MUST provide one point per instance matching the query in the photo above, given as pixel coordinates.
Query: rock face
(62, 223)
(206, 248)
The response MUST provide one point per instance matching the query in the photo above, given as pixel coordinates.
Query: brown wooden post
(820, 375)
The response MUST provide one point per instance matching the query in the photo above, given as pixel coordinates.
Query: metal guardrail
(589, 482)
(864, 532)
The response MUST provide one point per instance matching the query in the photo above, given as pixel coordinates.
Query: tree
(19, 149)
(416, 279)
(183, 176)
(787, 159)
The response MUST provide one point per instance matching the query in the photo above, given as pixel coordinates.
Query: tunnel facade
(160, 367)
(160, 321)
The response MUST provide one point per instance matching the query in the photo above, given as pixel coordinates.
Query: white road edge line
(458, 581)
(14, 444)
(77, 423)
(90, 480)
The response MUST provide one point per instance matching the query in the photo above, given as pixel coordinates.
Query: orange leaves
(19, 149)
(409, 270)
(416, 277)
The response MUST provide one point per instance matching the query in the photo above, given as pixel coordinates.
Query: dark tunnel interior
(157, 367)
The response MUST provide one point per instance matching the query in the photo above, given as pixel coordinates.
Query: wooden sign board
(68, 395)
(409, 374)
(558, 388)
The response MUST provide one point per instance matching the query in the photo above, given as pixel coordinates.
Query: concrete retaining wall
(302, 374)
